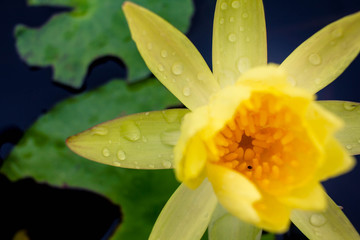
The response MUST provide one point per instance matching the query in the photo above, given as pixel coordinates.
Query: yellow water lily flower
(255, 140)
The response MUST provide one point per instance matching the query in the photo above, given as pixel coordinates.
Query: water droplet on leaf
(170, 137)
(235, 4)
(130, 131)
(170, 116)
(224, 6)
(232, 37)
(166, 164)
(106, 152)
(99, 131)
(121, 155)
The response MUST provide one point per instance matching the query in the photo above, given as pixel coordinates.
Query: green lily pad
(43, 155)
(70, 41)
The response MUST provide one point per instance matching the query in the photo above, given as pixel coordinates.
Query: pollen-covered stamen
(261, 141)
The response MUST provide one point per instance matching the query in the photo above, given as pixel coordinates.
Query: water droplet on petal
(245, 15)
(314, 59)
(243, 64)
(186, 91)
(292, 81)
(317, 219)
(232, 37)
(317, 81)
(224, 6)
(151, 166)
(147, 113)
(117, 164)
(130, 131)
(121, 155)
(170, 116)
(161, 67)
(177, 68)
(349, 106)
(222, 20)
(349, 147)
(99, 131)
(235, 4)
(231, 19)
(164, 53)
(166, 164)
(337, 33)
(242, 29)
(149, 46)
(201, 76)
(144, 139)
(247, 39)
(170, 137)
(106, 152)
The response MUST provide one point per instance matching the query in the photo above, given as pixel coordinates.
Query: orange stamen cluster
(262, 141)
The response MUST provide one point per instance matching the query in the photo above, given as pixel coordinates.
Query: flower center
(265, 142)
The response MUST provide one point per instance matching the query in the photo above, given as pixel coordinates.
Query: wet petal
(349, 112)
(274, 215)
(223, 225)
(331, 224)
(123, 142)
(235, 192)
(190, 152)
(324, 56)
(310, 197)
(171, 57)
(337, 161)
(239, 38)
(186, 215)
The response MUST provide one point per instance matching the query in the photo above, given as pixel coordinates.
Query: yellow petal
(330, 224)
(311, 197)
(191, 168)
(239, 38)
(325, 55)
(117, 142)
(171, 57)
(349, 135)
(336, 162)
(322, 123)
(235, 192)
(274, 215)
(190, 148)
(186, 215)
